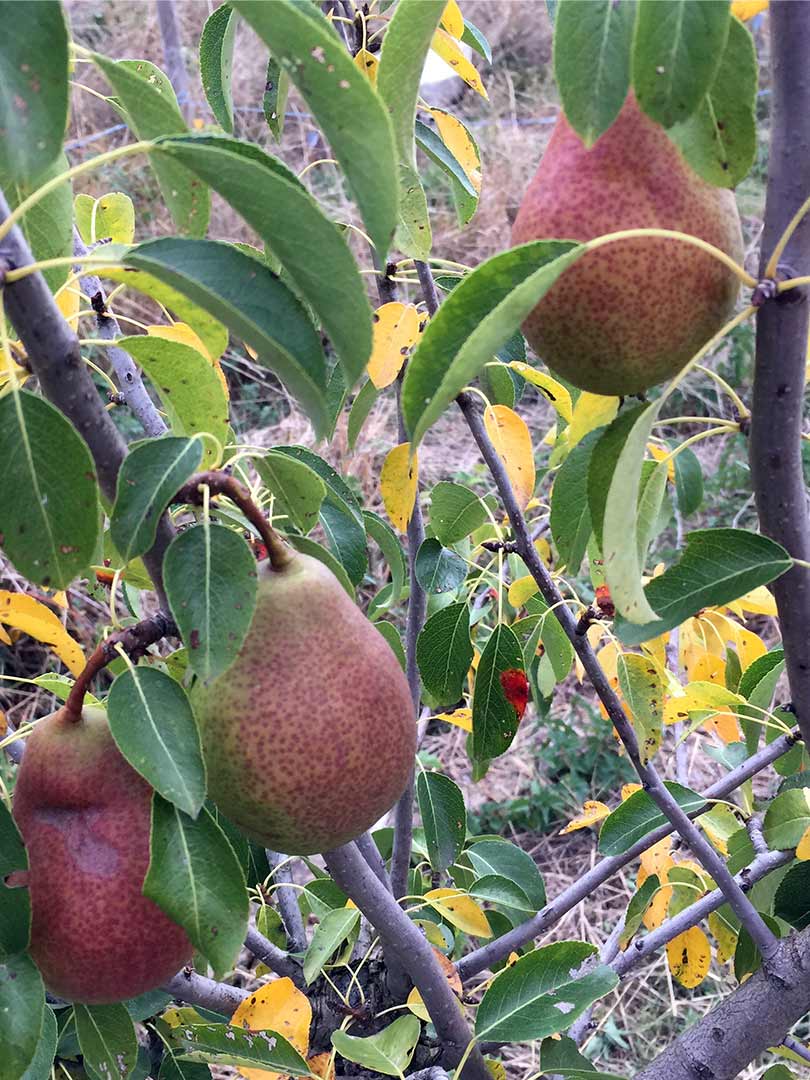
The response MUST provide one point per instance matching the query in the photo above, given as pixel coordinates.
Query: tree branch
(781, 352)
(173, 54)
(274, 957)
(126, 371)
(402, 938)
(196, 989)
(287, 900)
(55, 358)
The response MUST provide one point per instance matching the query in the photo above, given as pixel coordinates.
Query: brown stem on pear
(135, 640)
(220, 483)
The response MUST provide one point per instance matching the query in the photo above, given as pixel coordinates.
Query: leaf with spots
(33, 88)
(689, 956)
(110, 217)
(154, 728)
(510, 437)
(211, 580)
(277, 1007)
(643, 691)
(541, 993)
(460, 910)
(225, 1044)
(36, 619)
(107, 1040)
(49, 513)
(150, 476)
(216, 63)
(495, 714)
(396, 331)
(195, 877)
(399, 481)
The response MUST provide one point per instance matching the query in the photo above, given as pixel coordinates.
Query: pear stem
(135, 640)
(220, 483)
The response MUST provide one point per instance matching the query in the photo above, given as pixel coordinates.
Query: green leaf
(227, 1045)
(308, 49)
(780, 1072)
(500, 857)
(48, 224)
(636, 909)
(444, 818)
(495, 718)
(188, 385)
(42, 1061)
(473, 37)
(317, 551)
(210, 579)
(677, 48)
(688, 482)
(747, 958)
(216, 63)
(150, 477)
(295, 229)
(388, 1052)
(174, 1068)
(431, 143)
(347, 540)
(496, 889)
(361, 407)
(438, 569)
(760, 669)
(643, 691)
(719, 140)
(570, 519)
(339, 493)
(479, 315)
(558, 649)
(154, 728)
(298, 489)
(196, 878)
(107, 1040)
(110, 217)
(638, 816)
(455, 512)
(792, 899)
(402, 59)
(540, 994)
(444, 653)
(718, 566)
(22, 1007)
(329, 935)
(274, 99)
(33, 88)
(392, 636)
(652, 488)
(151, 110)
(49, 521)
(250, 300)
(787, 819)
(388, 542)
(413, 236)
(592, 62)
(15, 903)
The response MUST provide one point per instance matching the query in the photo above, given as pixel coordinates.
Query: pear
(84, 815)
(309, 736)
(632, 313)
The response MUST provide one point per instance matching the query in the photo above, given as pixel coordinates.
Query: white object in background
(439, 84)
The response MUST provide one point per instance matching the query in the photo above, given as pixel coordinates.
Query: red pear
(84, 815)
(632, 313)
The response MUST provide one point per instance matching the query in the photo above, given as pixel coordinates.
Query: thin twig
(275, 958)
(287, 900)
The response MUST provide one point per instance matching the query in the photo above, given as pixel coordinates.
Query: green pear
(309, 736)
(84, 815)
(632, 313)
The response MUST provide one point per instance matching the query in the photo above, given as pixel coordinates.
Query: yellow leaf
(183, 333)
(278, 1006)
(660, 453)
(417, 1005)
(747, 9)
(700, 696)
(689, 956)
(706, 667)
(803, 847)
(629, 789)
(322, 1065)
(449, 51)
(3, 724)
(60, 598)
(182, 1015)
(512, 440)
(460, 143)
(556, 393)
(396, 329)
(415, 1002)
(497, 1070)
(399, 478)
(460, 717)
(749, 647)
(11, 373)
(759, 601)
(460, 910)
(543, 549)
(725, 938)
(4, 636)
(368, 64)
(432, 932)
(592, 812)
(38, 621)
(550, 436)
(452, 19)
(521, 589)
(590, 412)
(68, 300)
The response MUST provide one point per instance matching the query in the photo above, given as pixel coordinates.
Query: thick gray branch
(402, 937)
(274, 957)
(781, 354)
(126, 370)
(196, 989)
(173, 54)
(54, 355)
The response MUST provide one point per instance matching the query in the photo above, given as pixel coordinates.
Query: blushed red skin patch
(515, 686)
(84, 815)
(309, 737)
(631, 314)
